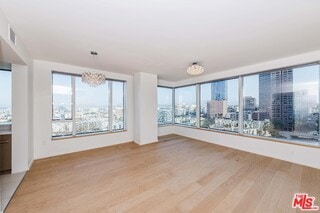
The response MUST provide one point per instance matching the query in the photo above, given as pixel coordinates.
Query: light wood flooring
(177, 174)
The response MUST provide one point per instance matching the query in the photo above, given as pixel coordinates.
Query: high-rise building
(219, 90)
(260, 116)
(249, 103)
(282, 111)
(217, 108)
(276, 98)
(265, 96)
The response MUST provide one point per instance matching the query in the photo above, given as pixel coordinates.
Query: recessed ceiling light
(195, 69)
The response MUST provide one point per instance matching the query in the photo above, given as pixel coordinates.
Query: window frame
(73, 107)
(241, 105)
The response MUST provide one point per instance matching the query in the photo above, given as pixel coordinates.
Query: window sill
(85, 135)
(165, 125)
(275, 140)
(187, 126)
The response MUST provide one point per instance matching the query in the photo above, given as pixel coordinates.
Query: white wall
(44, 146)
(30, 113)
(309, 156)
(146, 123)
(21, 62)
(299, 154)
(166, 130)
(20, 137)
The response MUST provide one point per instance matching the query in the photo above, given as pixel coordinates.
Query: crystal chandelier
(93, 79)
(195, 69)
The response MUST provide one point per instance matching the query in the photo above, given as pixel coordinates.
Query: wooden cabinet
(5, 153)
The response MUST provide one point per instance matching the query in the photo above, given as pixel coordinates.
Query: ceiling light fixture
(93, 79)
(195, 69)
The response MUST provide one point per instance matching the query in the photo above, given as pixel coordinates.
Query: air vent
(12, 35)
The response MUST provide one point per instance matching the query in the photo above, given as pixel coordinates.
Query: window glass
(61, 105)
(61, 128)
(165, 109)
(5, 97)
(185, 106)
(283, 104)
(118, 105)
(91, 109)
(220, 105)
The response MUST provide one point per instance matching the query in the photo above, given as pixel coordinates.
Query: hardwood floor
(175, 175)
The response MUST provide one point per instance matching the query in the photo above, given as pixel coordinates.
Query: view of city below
(165, 114)
(185, 109)
(5, 115)
(165, 110)
(87, 120)
(286, 106)
(186, 114)
(219, 105)
(5, 98)
(282, 104)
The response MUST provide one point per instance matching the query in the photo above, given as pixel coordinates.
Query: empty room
(159, 106)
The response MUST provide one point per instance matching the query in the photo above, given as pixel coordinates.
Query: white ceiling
(165, 36)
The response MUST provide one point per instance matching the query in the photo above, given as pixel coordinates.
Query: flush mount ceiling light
(93, 79)
(195, 69)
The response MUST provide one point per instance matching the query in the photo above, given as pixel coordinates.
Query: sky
(187, 95)
(164, 96)
(232, 92)
(85, 94)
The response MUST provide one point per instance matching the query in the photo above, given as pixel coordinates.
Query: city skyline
(301, 81)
